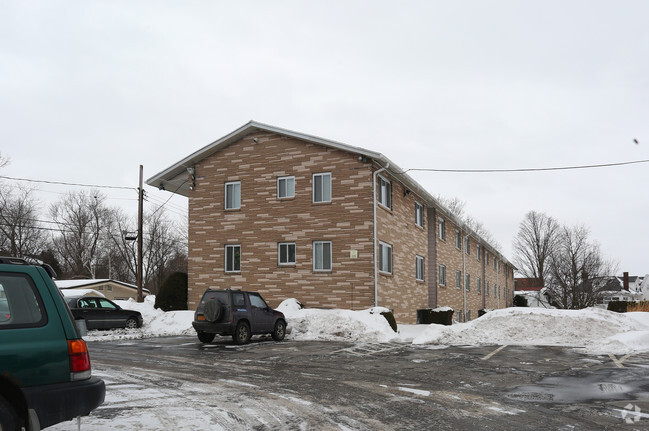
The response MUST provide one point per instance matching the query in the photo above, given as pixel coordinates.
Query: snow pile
(337, 325)
(593, 329)
(157, 323)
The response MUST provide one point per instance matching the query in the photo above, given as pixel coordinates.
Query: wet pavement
(335, 385)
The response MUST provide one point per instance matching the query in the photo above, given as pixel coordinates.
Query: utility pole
(140, 235)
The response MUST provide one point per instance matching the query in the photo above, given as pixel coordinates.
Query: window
(238, 300)
(459, 316)
(486, 290)
(232, 258)
(468, 315)
(419, 214)
(233, 195)
(20, 305)
(256, 301)
(477, 251)
(479, 285)
(285, 187)
(322, 255)
(385, 192)
(419, 268)
(467, 282)
(442, 275)
(385, 257)
(458, 279)
(286, 253)
(486, 253)
(441, 225)
(467, 245)
(322, 187)
(458, 239)
(495, 263)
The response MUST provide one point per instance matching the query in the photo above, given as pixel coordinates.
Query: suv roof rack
(18, 261)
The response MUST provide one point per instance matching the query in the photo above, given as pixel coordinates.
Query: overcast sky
(89, 90)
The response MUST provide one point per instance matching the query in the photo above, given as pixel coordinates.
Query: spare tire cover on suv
(212, 310)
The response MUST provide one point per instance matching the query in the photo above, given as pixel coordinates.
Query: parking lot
(176, 382)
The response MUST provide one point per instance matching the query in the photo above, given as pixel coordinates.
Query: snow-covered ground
(592, 330)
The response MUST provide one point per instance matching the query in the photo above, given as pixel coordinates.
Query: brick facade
(254, 157)
(264, 220)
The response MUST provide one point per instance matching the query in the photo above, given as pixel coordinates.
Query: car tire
(279, 331)
(242, 333)
(131, 323)
(204, 337)
(8, 416)
(212, 310)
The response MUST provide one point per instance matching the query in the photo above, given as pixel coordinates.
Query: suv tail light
(79, 360)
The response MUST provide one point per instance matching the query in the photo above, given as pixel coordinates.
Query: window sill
(386, 274)
(233, 210)
(322, 203)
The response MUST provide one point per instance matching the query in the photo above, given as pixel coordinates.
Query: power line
(68, 184)
(561, 168)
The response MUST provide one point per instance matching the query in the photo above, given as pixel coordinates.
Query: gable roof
(176, 178)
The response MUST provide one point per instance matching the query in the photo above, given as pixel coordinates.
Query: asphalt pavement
(178, 382)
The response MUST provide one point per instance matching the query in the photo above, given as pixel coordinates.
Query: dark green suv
(45, 373)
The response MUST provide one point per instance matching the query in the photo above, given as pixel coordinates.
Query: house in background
(528, 284)
(335, 226)
(111, 289)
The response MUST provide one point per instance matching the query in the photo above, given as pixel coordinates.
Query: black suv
(45, 373)
(236, 313)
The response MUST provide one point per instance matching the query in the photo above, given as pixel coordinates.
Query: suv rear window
(220, 296)
(20, 304)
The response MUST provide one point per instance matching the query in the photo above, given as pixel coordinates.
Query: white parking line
(493, 353)
(618, 362)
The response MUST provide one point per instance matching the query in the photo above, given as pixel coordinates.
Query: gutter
(376, 242)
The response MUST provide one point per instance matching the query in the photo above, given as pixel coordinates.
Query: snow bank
(157, 323)
(337, 325)
(594, 330)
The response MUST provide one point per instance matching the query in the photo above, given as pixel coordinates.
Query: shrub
(618, 306)
(173, 293)
(520, 301)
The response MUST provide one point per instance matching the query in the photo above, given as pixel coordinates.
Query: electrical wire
(68, 184)
(561, 168)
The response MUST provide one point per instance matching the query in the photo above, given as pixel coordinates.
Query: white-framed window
(232, 258)
(384, 192)
(479, 285)
(458, 279)
(419, 214)
(419, 268)
(487, 256)
(467, 282)
(468, 315)
(233, 195)
(486, 289)
(322, 187)
(285, 187)
(385, 257)
(467, 245)
(477, 251)
(322, 255)
(442, 275)
(458, 239)
(286, 253)
(441, 227)
(459, 316)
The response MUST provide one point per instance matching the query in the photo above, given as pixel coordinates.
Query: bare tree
(4, 160)
(21, 234)
(578, 272)
(81, 218)
(164, 248)
(456, 206)
(537, 238)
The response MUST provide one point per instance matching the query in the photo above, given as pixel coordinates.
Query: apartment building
(333, 225)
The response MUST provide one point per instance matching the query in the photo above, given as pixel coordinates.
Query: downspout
(376, 246)
(464, 250)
